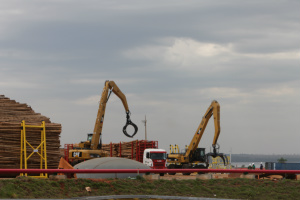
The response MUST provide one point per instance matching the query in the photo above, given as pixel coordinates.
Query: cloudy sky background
(170, 58)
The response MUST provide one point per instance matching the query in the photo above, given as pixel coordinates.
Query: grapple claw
(129, 122)
(221, 155)
(225, 159)
(215, 153)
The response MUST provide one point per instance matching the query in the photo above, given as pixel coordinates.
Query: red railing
(142, 145)
(66, 171)
(67, 147)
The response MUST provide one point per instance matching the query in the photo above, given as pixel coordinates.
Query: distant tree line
(282, 160)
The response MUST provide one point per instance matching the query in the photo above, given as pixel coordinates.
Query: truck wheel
(171, 167)
(185, 166)
(161, 174)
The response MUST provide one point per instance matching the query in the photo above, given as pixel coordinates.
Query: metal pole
(230, 154)
(145, 122)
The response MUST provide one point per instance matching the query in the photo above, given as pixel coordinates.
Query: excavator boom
(213, 109)
(110, 86)
(193, 154)
(92, 147)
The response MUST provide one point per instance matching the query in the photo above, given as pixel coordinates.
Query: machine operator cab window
(90, 136)
(202, 152)
(199, 154)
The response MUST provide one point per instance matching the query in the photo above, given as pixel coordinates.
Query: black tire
(185, 166)
(171, 167)
(201, 167)
(162, 174)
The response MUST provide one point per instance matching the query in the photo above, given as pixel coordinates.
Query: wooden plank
(11, 115)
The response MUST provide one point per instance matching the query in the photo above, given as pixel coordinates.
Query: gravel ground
(178, 176)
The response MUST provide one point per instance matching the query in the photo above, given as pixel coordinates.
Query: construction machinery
(195, 157)
(92, 148)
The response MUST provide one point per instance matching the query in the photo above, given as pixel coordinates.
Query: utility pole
(230, 154)
(145, 122)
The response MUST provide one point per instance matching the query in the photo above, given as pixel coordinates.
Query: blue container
(287, 166)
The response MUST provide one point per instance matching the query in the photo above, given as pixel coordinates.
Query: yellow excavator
(92, 148)
(195, 157)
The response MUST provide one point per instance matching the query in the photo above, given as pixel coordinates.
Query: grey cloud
(63, 51)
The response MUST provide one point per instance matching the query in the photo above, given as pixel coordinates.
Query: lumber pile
(130, 150)
(11, 115)
(126, 149)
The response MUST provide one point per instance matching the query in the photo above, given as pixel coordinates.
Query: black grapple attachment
(216, 153)
(129, 122)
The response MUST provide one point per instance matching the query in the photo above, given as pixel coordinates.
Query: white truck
(155, 158)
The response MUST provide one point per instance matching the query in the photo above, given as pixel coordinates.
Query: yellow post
(44, 140)
(176, 148)
(43, 152)
(22, 147)
(41, 157)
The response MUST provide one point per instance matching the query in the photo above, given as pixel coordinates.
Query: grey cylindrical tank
(110, 163)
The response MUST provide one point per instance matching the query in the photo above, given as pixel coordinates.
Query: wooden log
(126, 149)
(11, 115)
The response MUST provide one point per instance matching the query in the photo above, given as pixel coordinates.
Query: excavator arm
(213, 110)
(110, 86)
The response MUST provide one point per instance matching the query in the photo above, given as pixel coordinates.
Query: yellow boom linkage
(195, 157)
(92, 147)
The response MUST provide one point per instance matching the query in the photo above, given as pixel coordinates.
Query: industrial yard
(44, 152)
(149, 99)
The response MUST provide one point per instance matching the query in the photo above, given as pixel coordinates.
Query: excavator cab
(198, 155)
(89, 137)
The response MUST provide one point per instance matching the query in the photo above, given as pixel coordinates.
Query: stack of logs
(129, 150)
(11, 115)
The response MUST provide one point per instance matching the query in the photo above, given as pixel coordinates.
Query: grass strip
(30, 188)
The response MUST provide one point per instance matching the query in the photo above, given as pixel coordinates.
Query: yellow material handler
(195, 157)
(92, 148)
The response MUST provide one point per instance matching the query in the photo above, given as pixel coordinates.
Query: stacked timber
(11, 115)
(130, 150)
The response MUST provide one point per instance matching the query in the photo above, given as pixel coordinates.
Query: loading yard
(12, 113)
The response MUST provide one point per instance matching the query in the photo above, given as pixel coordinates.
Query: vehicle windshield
(158, 156)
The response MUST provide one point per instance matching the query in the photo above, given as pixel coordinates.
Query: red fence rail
(66, 171)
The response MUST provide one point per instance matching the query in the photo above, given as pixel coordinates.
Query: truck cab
(155, 158)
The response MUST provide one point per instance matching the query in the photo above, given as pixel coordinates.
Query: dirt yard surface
(178, 176)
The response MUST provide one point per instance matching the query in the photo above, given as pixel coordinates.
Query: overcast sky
(170, 58)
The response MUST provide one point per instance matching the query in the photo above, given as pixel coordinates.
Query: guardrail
(72, 171)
